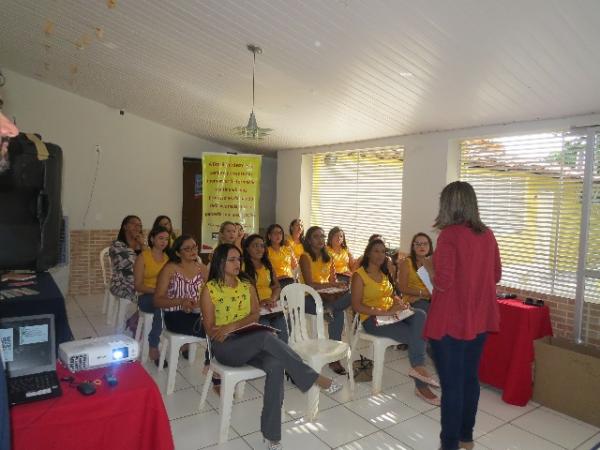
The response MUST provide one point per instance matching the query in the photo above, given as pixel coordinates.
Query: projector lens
(120, 353)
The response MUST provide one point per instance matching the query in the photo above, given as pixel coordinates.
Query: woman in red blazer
(465, 270)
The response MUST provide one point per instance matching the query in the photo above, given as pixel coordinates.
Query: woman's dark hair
(324, 255)
(249, 265)
(154, 232)
(294, 222)
(365, 259)
(332, 233)
(217, 265)
(121, 236)
(458, 205)
(270, 230)
(375, 236)
(176, 248)
(413, 253)
(159, 219)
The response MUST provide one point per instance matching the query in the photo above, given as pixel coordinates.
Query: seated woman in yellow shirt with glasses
(343, 262)
(281, 255)
(410, 284)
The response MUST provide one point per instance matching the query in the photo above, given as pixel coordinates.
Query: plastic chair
(173, 342)
(142, 331)
(315, 352)
(233, 382)
(109, 301)
(380, 344)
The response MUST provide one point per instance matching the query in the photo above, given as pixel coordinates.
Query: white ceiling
(331, 71)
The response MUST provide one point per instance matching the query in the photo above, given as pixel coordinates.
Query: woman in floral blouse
(123, 251)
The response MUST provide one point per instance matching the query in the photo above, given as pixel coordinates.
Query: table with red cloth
(508, 354)
(128, 416)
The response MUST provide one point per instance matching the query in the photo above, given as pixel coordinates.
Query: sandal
(429, 380)
(435, 401)
(338, 368)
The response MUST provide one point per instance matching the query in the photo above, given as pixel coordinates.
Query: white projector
(88, 354)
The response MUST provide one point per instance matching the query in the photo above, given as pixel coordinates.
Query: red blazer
(467, 268)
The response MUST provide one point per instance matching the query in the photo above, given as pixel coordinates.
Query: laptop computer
(29, 355)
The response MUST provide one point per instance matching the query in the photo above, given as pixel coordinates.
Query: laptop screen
(28, 344)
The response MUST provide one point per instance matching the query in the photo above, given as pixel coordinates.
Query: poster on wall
(230, 192)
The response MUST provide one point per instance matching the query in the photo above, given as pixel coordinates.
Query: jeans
(146, 304)
(283, 282)
(276, 320)
(408, 331)
(336, 326)
(263, 350)
(421, 304)
(457, 363)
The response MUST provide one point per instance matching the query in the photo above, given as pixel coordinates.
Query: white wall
(431, 161)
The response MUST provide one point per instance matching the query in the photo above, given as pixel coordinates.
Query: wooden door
(191, 214)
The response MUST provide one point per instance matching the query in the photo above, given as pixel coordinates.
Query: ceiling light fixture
(252, 130)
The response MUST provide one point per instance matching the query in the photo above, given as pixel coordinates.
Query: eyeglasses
(421, 244)
(193, 248)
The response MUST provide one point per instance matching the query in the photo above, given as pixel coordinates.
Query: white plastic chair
(173, 342)
(315, 352)
(109, 301)
(142, 331)
(380, 344)
(233, 382)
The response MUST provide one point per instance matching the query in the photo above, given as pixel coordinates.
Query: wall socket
(98, 148)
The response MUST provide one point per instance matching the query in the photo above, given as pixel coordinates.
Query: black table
(48, 301)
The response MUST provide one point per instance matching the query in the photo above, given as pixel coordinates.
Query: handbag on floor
(363, 369)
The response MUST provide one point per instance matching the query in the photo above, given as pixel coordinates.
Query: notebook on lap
(29, 355)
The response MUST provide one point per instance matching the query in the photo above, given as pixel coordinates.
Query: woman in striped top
(178, 287)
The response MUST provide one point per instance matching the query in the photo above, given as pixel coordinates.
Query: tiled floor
(395, 419)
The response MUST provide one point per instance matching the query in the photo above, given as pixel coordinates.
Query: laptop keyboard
(33, 385)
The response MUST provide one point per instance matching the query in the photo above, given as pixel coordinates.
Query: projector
(88, 354)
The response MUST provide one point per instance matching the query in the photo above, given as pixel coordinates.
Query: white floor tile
(346, 395)
(250, 393)
(198, 431)
(491, 402)
(381, 410)
(484, 422)
(510, 437)
(406, 394)
(294, 436)
(555, 427)
(234, 444)
(590, 443)
(183, 403)
(245, 416)
(401, 365)
(294, 403)
(161, 378)
(338, 426)
(379, 441)
(420, 432)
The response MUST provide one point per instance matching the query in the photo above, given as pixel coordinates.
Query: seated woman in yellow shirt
(372, 295)
(318, 272)
(410, 284)
(258, 267)
(281, 255)
(337, 248)
(228, 302)
(296, 239)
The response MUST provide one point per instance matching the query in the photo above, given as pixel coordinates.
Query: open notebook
(398, 317)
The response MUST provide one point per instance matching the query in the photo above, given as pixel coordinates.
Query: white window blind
(361, 192)
(529, 190)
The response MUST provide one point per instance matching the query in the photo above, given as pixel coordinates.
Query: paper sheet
(424, 276)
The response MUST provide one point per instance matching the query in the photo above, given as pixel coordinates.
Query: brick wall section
(85, 272)
(562, 316)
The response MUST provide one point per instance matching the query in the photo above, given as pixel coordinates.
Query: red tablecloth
(508, 354)
(128, 416)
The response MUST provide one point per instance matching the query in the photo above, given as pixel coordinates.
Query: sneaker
(274, 445)
(333, 388)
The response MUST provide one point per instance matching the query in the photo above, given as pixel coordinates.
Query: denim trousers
(337, 307)
(408, 331)
(457, 363)
(278, 321)
(146, 304)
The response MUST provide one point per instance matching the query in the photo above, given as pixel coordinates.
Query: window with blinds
(529, 190)
(361, 192)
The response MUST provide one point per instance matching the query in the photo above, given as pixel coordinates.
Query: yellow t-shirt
(263, 284)
(231, 303)
(414, 280)
(152, 268)
(376, 294)
(341, 259)
(298, 248)
(282, 261)
(319, 270)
